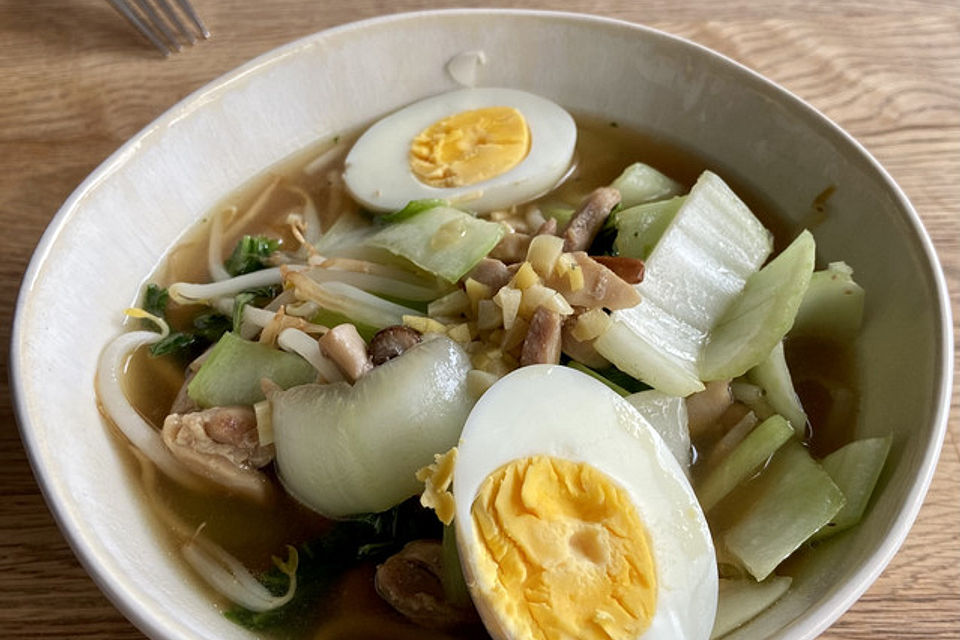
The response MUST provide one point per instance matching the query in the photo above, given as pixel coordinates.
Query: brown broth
(255, 533)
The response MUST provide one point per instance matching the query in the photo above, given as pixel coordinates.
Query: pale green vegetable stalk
(640, 183)
(668, 416)
(345, 450)
(854, 468)
(639, 228)
(773, 376)
(232, 371)
(454, 586)
(832, 306)
(789, 502)
(375, 283)
(743, 599)
(345, 236)
(761, 315)
(744, 461)
(696, 271)
(444, 241)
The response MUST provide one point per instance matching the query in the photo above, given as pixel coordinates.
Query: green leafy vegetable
(249, 254)
(604, 242)
(773, 376)
(155, 300)
(258, 297)
(696, 270)
(639, 228)
(743, 599)
(562, 213)
(442, 240)
(371, 537)
(741, 463)
(329, 318)
(832, 307)
(641, 183)
(175, 342)
(232, 372)
(790, 501)
(207, 327)
(413, 208)
(761, 315)
(855, 468)
(210, 326)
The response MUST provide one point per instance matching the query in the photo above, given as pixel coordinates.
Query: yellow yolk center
(470, 147)
(566, 551)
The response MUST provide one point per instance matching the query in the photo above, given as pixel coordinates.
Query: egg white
(377, 169)
(556, 411)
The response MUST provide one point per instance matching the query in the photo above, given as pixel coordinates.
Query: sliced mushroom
(512, 247)
(630, 270)
(589, 218)
(410, 581)
(601, 287)
(343, 345)
(548, 228)
(582, 352)
(222, 445)
(491, 272)
(543, 341)
(391, 342)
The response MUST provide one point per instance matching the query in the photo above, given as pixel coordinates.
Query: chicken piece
(589, 218)
(222, 444)
(601, 286)
(391, 342)
(410, 581)
(630, 270)
(491, 272)
(543, 341)
(344, 346)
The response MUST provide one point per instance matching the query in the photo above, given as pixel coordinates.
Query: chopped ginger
(436, 479)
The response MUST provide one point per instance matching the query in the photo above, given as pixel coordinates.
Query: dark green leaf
(176, 342)
(257, 296)
(241, 300)
(211, 326)
(603, 244)
(250, 254)
(155, 300)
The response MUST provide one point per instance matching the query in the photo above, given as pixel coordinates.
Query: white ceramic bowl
(115, 228)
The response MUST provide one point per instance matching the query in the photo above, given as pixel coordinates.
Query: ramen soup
(485, 370)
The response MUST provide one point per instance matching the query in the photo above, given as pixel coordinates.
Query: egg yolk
(470, 147)
(565, 551)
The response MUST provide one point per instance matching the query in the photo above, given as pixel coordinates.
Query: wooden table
(77, 82)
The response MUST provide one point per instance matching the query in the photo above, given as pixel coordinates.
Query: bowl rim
(155, 626)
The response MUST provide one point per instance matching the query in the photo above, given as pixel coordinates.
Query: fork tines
(160, 23)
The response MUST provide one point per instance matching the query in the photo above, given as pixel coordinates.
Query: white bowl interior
(113, 231)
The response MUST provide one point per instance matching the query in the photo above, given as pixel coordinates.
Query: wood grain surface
(77, 82)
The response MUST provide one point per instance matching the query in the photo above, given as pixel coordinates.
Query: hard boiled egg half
(481, 148)
(574, 520)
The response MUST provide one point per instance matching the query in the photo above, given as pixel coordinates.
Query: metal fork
(145, 16)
